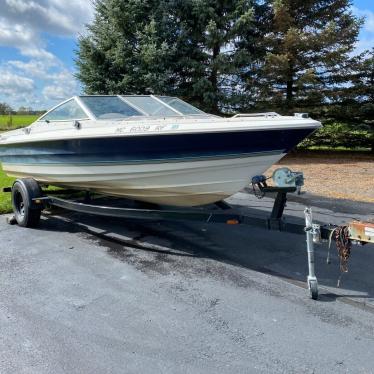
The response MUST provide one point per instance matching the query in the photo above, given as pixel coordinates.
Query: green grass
(5, 197)
(336, 149)
(5, 204)
(16, 121)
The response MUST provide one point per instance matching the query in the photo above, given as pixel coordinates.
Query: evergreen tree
(213, 49)
(354, 103)
(306, 45)
(126, 49)
(196, 49)
(360, 93)
(223, 56)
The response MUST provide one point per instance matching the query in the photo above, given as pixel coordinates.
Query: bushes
(340, 135)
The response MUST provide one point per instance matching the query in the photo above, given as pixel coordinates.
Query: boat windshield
(109, 107)
(151, 106)
(181, 106)
(165, 106)
(124, 106)
(66, 111)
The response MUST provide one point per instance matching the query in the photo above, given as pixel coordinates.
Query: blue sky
(37, 42)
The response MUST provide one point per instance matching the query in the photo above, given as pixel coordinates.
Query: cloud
(368, 16)
(62, 87)
(25, 39)
(13, 84)
(34, 68)
(16, 89)
(364, 44)
(20, 84)
(54, 16)
(55, 93)
(41, 78)
(17, 78)
(366, 38)
(22, 22)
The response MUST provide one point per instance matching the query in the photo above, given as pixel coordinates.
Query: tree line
(227, 56)
(6, 109)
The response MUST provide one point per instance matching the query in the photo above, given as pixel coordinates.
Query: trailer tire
(26, 211)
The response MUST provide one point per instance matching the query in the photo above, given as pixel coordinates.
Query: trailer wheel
(26, 212)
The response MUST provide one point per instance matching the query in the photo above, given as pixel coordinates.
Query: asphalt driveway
(91, 295)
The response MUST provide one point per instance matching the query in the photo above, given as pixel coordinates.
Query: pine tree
(195, 49)
(354, 103)
(125, 49)
(307, 45)
(213, 51)
(361, 90)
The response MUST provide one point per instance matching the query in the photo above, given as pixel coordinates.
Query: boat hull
(175, 183)
(180, 170)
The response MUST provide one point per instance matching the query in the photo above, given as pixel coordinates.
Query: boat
(156, 149)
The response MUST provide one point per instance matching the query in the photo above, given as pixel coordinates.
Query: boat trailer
(28, 200)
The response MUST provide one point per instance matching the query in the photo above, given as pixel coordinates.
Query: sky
(38, 39)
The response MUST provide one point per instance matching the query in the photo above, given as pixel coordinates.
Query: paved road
(179, 298)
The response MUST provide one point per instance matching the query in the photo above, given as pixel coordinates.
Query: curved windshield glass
(180, 106)
(150, 106)
(109, 107)
(65, 112)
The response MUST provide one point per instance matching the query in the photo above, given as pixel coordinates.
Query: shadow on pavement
(275, 253)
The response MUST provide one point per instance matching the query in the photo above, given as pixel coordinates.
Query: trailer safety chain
(343, 245)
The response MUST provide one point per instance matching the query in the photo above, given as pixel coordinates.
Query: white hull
(183, 183)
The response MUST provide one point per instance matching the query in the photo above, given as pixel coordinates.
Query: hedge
(336, 135)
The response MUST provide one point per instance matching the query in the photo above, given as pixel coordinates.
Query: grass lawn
(336, 149)
(16, 121)
(5, 197)
(5, 205)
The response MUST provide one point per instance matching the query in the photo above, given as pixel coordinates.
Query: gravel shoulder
(334, 175)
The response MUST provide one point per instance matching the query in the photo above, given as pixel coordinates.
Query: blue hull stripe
(153, 148)
(155, 161)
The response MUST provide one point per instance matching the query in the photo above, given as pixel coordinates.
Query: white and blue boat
(156, 149)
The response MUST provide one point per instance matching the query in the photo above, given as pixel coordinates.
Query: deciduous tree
(5, 108)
